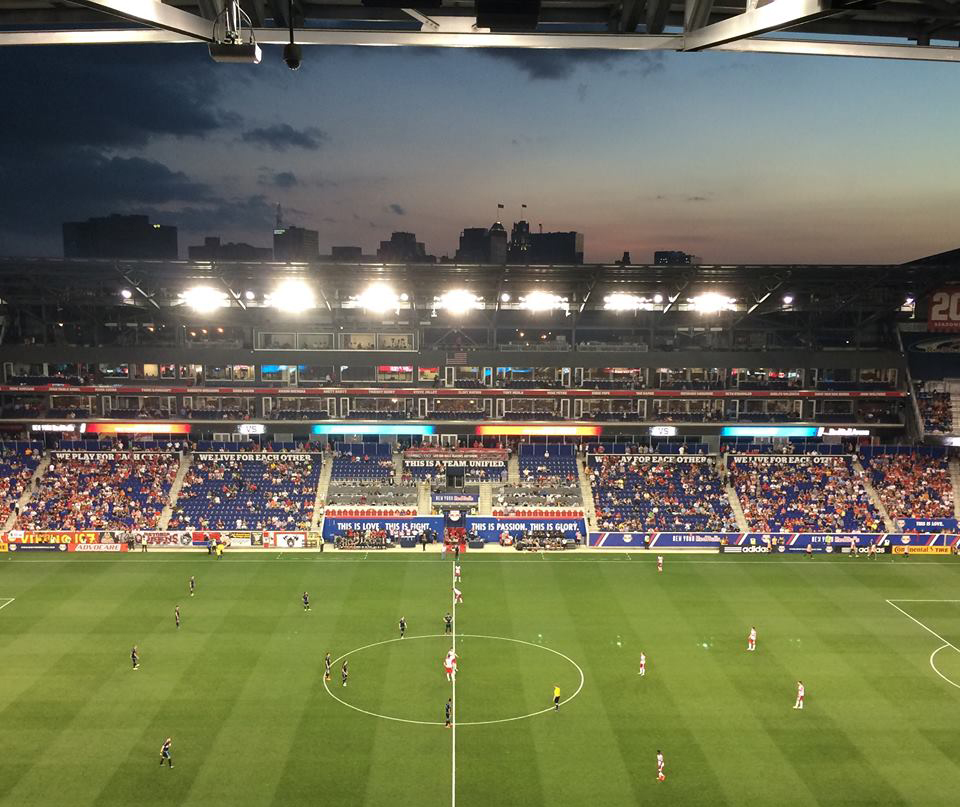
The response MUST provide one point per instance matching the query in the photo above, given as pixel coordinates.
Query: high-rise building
(117, 236)
(526, 247)
(404, 248)
(668, 257)
(480, 245)
(295, 244)
(347, 254)
(519, 247)
(213, 250)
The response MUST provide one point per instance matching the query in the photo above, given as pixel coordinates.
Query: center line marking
(453, 697)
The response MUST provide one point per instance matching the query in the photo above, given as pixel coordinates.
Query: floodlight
(505, 298)
(788, 299)
(658, 298)
(404, 297)
(620, 301)
(249, 295)
(711, 302)
(204, 299)
(459, 301)
(378, 298)
(292, 296)
(543, 301)
(126, 294)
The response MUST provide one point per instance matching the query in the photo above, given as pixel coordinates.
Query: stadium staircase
(955, 412)
(485, 502)
(424, 502)
(874, 496)
(167, 512)
(586, 493)
(513, 470)
(397, 468)
(41, 469)
(732, 497)
(955, 481)
(323, 489)
(737, 509)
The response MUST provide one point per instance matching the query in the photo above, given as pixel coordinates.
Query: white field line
(932, 632)
(934, 666)
(510, 559)
(917, 621)
(453, 697)
(5, 601)
(409, 638)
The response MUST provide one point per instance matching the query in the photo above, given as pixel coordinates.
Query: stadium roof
(897, 29)
(876, 290)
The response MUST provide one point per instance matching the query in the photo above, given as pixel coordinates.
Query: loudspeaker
(508, 15)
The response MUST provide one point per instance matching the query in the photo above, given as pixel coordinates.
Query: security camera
(292, 55)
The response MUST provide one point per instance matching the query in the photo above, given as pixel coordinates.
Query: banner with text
(489, 528)
(396, 527)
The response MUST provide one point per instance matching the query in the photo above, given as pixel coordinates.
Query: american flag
(457, 358)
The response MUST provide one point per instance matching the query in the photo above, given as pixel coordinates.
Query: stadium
(348, 431)
(518, 523)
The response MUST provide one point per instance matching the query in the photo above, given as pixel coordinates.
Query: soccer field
(240, 685)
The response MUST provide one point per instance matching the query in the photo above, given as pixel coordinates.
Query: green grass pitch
(239, 687)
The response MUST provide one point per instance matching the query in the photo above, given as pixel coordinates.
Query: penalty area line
(931, 631)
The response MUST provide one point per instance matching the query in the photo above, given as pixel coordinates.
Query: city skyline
(713, 154)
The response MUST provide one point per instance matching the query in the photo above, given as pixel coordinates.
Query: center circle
(462, 639)
(949, 664)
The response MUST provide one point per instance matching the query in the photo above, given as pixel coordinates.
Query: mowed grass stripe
(814, 746)
(490, 609)
(421, 773)
(200, 671)
(71, 705)
(271, 701)
(331, 753)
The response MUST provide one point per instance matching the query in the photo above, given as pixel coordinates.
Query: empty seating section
(18, 461)
(351, 499)
(548, 481)
(912, 481)
(635, 492)
(362, 461)
(936, 411)
(101, 493)
(803, 494)
(224, 491)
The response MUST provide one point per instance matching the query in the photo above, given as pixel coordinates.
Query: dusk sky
(736, 158)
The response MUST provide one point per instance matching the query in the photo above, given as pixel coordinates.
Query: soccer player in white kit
(752, 639)
(457, 595)
(643, 665)
(659, 563)
(661, 777)
(450, 665)
(800, 692)
(456, 572)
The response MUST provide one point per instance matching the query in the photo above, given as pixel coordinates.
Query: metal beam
(657, 15)
(696, 14)
(155, 15)
(631, 13)
(621, 42)
(871, 50)
(774, 16)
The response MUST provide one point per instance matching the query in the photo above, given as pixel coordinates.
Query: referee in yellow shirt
(556, 698)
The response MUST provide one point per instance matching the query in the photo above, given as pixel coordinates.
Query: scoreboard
(944, 312)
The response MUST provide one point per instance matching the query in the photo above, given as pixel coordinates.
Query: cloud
(278, 179)
(107, 98)
(398, 210)
(555, 65)
(283, 136)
